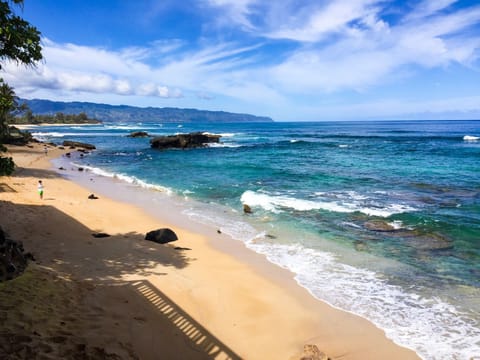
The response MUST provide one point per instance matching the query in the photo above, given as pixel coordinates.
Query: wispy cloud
(330, 47)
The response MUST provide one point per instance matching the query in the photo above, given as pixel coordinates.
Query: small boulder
(378, 225)
(161, 236)
(247, 209)
(92, 197)
(136, 134)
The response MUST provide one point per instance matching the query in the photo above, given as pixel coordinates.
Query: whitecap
(471, 138)
(49, 134)
(220, 134)
(223, 145)
(278, 203)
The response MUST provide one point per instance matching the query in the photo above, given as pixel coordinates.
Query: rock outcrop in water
(137, 134)
(75, 144)
(184, 141)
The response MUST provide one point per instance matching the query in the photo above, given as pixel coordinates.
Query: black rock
(76, 144)
(13, 259)
(247, 209)
(138, 134)
(100, 235)
(92, 197)
(184, 141)
(161, 236)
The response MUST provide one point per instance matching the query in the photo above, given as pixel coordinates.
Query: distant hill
(105, 112)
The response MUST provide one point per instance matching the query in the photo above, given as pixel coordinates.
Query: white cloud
(427, 8)
(69, 67)
(338, 46)
(321, 21)
(236, 11)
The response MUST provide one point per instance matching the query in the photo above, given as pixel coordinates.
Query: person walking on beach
(40, 189)
(45, 149)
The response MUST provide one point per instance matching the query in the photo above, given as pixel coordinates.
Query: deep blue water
(378, 218)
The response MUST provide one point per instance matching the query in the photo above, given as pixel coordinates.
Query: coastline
(33, 126)
(226, 297)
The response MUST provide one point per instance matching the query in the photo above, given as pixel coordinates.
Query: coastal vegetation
(19, 42)
(28, 117)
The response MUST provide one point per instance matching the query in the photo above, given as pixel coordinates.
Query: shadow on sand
(69, 248)
(195, 335)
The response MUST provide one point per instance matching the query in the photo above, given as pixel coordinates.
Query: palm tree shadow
(194, 335)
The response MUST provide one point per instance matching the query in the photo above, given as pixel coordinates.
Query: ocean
(381, 219)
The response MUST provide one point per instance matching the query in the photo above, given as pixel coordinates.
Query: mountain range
(125, 113)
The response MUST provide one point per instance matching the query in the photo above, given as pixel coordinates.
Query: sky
(292, 60)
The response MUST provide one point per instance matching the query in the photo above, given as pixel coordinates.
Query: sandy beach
(121, 297)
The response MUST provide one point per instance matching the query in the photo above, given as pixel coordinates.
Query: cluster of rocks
(76, 144)
(184, 141)
(419, 239)
(13, 259)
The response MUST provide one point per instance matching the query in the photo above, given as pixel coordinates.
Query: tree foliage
(59, 118)
(19, 40)
(6, 166)
(8, 103)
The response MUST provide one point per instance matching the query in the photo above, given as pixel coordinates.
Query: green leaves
(19, 40)
(6, 166)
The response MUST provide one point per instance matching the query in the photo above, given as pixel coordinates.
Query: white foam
(221, 134)
(430, 326)
(223, 145)
(123, 127)
(278, 203)
(397, 224)
(471, 138)
(49, 134)
(55, 134)
(237, 230)
(125, 178)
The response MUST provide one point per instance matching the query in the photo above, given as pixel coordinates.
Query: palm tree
(8, 103)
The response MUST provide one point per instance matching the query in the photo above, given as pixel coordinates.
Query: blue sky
(288, 59)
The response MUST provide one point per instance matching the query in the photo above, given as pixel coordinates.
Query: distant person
(40, 189)
(45, 148)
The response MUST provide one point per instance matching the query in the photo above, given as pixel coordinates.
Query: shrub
(6, 166)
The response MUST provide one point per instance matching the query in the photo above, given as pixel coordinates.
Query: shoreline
(263, 313)
(33, 126)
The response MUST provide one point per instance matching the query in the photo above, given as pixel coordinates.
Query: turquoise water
(378, 218)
